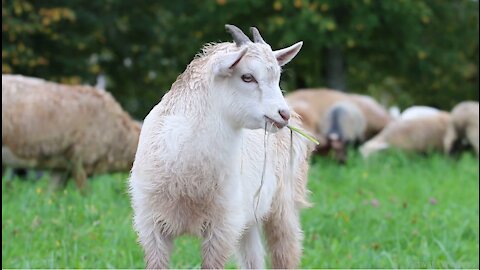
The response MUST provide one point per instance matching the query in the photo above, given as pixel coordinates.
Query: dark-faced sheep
(73, 129)
(342, 125)
(313, 104)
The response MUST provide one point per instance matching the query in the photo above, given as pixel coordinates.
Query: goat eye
(248, 78)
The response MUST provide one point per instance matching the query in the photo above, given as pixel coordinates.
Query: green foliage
(402, 52)
(393, 211)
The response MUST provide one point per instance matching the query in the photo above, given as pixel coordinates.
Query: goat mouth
(277, 124)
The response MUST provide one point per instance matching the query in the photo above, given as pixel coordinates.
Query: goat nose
(285, 114)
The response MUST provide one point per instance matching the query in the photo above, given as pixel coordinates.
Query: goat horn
(257, 38)
(238, 36)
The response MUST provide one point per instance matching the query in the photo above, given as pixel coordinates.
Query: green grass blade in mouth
(304, 134)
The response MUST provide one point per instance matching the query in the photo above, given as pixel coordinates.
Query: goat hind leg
(157, 249)
(153, 236)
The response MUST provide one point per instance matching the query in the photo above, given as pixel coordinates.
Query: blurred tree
(402, 52)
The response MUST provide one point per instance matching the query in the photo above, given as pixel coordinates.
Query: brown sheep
(76, 129)
(376, 115)
(313, 104)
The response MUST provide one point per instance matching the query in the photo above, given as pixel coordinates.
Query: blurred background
(401, 52)
(395, 210)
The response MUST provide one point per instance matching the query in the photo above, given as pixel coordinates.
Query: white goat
(199, 167)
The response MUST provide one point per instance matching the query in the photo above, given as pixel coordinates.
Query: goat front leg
(219, 241)
(284, 237)
(250, 252)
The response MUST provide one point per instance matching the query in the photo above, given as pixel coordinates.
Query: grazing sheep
(312, 105)
(376, 115)
(419, 134)
(76, 129)
(463, 125)
(199, 167)
(418, 111)
(342, 124)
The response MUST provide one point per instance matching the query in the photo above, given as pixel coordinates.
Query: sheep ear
(227, 63)
(287, 54)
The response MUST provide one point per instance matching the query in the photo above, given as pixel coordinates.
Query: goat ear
(227, 63)
(285, 55)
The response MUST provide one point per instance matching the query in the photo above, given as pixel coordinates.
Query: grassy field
(394, 211)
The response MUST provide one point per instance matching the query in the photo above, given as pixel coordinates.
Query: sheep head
(249, 75)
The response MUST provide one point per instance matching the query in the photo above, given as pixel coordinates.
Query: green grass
(393, 211)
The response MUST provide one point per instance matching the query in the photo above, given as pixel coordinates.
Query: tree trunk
(336, 78)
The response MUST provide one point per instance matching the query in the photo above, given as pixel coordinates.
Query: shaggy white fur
(200, 159)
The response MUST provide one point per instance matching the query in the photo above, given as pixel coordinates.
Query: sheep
(312, 105)
(342, 124)
(418, 111)
(376, 115)
(200, 167)
(74, 129)
(419, 135)
(463, 125)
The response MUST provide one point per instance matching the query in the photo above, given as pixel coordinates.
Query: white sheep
(463, 125)
(418, 111)
(75, 129)
(421, 134)
(199, 167)
(343, 124)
